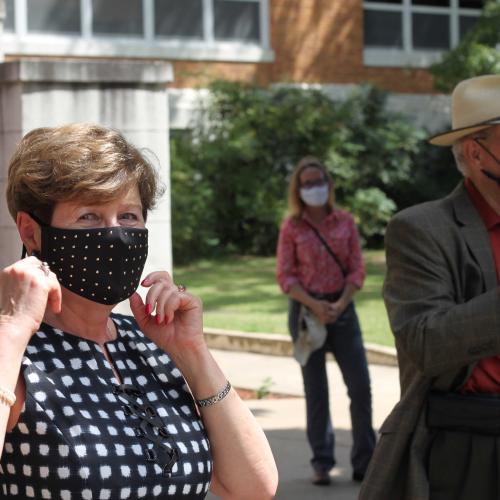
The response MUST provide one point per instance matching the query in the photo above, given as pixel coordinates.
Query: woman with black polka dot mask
(94, 404)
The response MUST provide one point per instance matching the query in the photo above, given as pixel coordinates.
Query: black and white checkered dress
(82, 435)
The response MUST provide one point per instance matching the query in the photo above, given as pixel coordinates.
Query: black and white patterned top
(82, 435)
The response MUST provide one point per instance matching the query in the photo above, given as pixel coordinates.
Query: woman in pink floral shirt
(320, 267)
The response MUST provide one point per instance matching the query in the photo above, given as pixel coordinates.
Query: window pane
(466, 24)
(384, 1)
(383, 29)
(179, 18)
(431, 31)
(9, 16)
(433, 3)
(117, 17)
(236, 20)
(61, 16)
(471, 4)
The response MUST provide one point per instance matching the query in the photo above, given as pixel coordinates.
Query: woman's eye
(129, 216)
(89, 216)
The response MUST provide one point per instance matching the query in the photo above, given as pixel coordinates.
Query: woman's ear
(29, 231)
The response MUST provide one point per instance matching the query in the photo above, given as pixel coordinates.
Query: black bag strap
(327, 246)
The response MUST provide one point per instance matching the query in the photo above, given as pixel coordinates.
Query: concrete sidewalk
(283, 420)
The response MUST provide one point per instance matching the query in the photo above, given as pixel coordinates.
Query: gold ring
(181, 288)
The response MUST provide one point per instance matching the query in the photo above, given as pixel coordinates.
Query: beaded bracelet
(214, 399)
(7, 396)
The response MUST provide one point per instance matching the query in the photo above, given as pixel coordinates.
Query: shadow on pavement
(291, 452)
(292, 455)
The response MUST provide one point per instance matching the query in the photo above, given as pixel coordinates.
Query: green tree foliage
(192, 205)
(371, 151)
(230, 173)
(477, 53)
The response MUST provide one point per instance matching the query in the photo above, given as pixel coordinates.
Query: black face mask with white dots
(103, 264)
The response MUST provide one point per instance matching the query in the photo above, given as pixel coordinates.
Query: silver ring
(45, 268)
(181, 288)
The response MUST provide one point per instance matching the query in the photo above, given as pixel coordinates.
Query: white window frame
(21, 42)
(408, 56)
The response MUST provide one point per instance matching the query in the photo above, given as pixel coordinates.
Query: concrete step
(276, 344)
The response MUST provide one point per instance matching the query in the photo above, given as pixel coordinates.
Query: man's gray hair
(457, 149)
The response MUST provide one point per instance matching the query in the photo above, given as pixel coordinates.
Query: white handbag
(311, 335)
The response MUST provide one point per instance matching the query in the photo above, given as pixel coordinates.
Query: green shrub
(193, 231)
(371, 151)
(230, 174)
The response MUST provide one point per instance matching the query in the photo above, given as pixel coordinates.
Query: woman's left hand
(337, 308)
(170, 317)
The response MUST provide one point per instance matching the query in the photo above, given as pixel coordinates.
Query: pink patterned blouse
(302, 258)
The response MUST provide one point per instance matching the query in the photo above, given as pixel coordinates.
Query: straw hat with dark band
(475, 105)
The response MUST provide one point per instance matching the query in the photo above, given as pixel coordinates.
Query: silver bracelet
(214, 399)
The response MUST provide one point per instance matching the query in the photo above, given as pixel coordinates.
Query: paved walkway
(284, 419)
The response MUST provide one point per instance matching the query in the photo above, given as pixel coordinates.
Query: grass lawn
(240, 293)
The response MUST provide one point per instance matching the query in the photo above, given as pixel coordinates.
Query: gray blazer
(442, 298)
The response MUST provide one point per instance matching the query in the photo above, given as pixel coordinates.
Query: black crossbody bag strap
(327, 246)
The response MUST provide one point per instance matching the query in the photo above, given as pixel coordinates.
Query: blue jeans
(345, 343)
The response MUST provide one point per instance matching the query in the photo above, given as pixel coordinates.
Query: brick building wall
(314, 41)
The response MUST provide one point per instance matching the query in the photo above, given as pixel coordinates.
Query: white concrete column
(129, 96)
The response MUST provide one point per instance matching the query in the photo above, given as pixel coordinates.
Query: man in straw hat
(442, 440)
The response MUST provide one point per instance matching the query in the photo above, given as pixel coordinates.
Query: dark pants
(464, 456)
(345, 343)
(464, 466)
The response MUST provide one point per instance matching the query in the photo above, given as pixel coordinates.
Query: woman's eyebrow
(131, 205)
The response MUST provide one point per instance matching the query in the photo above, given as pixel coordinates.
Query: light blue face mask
(316, 196)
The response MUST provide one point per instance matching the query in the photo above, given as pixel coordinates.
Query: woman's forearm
(243, 461)
(348, 293)
(298, 293)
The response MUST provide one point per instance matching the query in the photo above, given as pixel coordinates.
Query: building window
(54, 16)
(465, 24)
(236, 20)
(383, 29)
(215, 30)
(430, 31)
(10, 21)
(419, 30)
(207, 20)
(112, 17)
(179, 19)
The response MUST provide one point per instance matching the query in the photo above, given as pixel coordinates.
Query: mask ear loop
(481, 145)
(487, 173)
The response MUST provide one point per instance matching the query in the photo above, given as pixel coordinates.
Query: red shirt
(302, 258)
(485, 377)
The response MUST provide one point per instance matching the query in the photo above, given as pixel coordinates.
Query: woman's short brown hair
(295, 203)
(79, 161)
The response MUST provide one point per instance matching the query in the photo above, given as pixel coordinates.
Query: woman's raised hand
(170, 316)
(27, 287)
